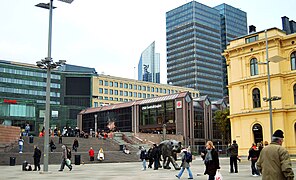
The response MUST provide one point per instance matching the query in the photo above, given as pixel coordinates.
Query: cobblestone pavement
(126, 171)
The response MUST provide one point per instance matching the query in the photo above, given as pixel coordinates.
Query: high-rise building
(233, 25)
(196, 36)
(149, 65)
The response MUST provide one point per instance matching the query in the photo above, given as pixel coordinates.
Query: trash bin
(31, 139)
(25, 163)
(77, 159)
(12, 161)
(121, 147)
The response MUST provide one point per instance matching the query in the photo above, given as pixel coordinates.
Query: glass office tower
(233, 25)
(149, 65)
(196, 37)
(193, 33)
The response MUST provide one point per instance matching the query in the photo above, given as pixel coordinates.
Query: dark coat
(213, 165)
(37, 154)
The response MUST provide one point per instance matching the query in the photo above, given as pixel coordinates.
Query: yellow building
(108, 90)
(248, 87)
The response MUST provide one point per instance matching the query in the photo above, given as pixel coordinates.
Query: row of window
(28, 92)
(257, 98)
(254, 64)
(28, 73)
(134, 87)
(27, 82)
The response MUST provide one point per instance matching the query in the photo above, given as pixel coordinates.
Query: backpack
(188, 157)
(68, 153)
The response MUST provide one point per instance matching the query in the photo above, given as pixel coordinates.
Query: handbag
(68, 162)
(218, 175)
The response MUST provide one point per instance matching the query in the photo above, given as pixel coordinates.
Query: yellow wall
(282, 79)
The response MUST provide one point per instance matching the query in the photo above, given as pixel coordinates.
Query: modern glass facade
(23, 92)
(233, 25)
(149, 65)
(194, 46)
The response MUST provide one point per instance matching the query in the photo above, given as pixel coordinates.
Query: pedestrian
(91, 153)
(233, 151)
(27, 129)
(21, 144)
(211, 160)
(143, 157)
(185, 164)
(156, 156)
(60, 137)
(274, 162)
(150, 157)
(101, 155)
(75, 145)
(253, 156)
(36, 156)
(66, 159)
(52, 145)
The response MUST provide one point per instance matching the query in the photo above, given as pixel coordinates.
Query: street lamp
(48, 64)
(274, 98)
(96, 124)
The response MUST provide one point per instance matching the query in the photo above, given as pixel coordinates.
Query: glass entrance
(257, 132)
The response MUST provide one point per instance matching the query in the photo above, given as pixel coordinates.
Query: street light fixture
(48, 64)
(273, 98)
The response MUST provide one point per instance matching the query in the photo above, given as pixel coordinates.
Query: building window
(135, 87)
(115, 84)
(251, 39)
(256, 98)
(121, 93)
(111, 91)
(105, 91)
(139, 87)
(106, 98)
(148, 88)
(144, 95)
(125, 93)
(293, 61)
(116, 92)
(120, 85)
(156, 90)
(100, 82)
(152, 89)
(135, 94)
(139, 95)
(100, 90)
(130, 94)
(106, 83)
(125, 85)
(144, 88)
(294, 89)
(254, 67)
(96, 104)
(111, 83)
(130, 86)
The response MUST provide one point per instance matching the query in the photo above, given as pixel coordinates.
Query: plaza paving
(128, 171)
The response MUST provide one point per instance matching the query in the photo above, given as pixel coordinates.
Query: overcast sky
(108, 35)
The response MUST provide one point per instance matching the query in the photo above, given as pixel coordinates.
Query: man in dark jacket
(233, 151)
(36, 156)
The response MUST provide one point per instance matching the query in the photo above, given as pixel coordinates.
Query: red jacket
(91, 153)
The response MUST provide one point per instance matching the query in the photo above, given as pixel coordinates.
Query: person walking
(91, 153)
(143, 157)
(21, 144)
(36, 156)
(274, 161)
(52, 145)
(185, 164)
(156, 156)
(253, 156)
(233, 151)
(211, 160)
(75, 145)
(150, 157)
(101, 155)
(65, 159)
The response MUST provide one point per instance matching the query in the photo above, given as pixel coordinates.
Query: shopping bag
(68, 162)
(218, 175)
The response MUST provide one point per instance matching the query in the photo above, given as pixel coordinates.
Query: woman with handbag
(211, 160)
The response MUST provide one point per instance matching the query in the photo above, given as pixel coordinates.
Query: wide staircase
(112, 150)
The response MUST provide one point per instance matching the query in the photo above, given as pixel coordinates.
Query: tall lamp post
(270, 98)
(96, 124)
(48, 64)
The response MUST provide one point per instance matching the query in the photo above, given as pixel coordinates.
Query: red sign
(9, 101)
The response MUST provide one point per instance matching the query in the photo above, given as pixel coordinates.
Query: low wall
(157, 138)
(9, 135)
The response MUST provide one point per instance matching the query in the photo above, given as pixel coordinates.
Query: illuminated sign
(179, 104)
(151, 107)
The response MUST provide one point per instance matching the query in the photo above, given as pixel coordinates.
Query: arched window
(293, 61)
(254, 66)
(256, 98)
(294, 90)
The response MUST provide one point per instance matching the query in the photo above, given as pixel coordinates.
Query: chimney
(252, 29)
(286, 25)
(293, 26)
